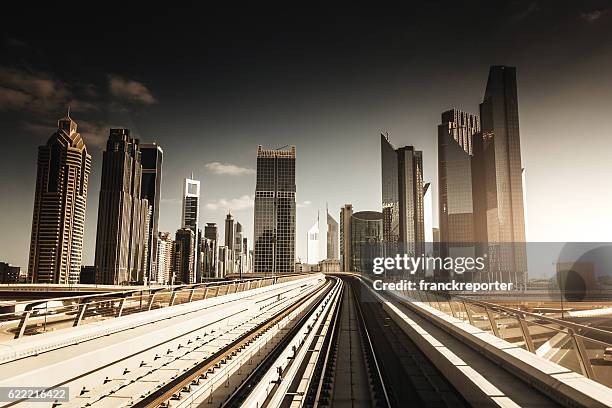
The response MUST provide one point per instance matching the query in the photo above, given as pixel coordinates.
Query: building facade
(150, 189)
(60, 200)
(9, 273)
(211, 232)
(366, 240)
(455, 199)
(402, 197)
(499, 217)
(123, 215)
(346, 213)
(229, 243)
(332, 237)
(274, 223)
(165, 248)
(312, 254)
(184, 266)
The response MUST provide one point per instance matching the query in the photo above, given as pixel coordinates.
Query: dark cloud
(130, 90)
(591, 16)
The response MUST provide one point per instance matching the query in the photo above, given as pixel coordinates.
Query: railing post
(205, 293)
(172, 298)
(23, 323)
(492, 322)
(525, 330)
(120, 311)
(468, 311)
(583, 356)
(80, 314)
(191, 295)
(151, 300)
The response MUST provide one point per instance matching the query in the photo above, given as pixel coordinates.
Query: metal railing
(574, 346)
(46, 315)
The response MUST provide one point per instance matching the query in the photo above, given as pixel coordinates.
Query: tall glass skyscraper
(274, 224)
(121, 238)
(332, 237)
(366, 235)
(191, 213)
(58, 221)
(455, 135)
(402, 197)
(456, 209)
(346, 213)
(150, 188)
(497, 179)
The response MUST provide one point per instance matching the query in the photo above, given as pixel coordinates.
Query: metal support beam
(151, 300)
(80, 314)
(583, 357)
(525, 331)
(493, 322)
(120, 311)
(23, 323)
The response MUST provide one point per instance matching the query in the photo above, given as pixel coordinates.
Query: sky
(210, 85)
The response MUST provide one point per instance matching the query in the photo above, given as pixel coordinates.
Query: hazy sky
(210, 85)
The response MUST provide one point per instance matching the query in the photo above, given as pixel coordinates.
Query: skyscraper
(184, 256)
(123, 219)
(402, 196)
(211, 233)
(312, 254)
(238, 247)
(455, 198)
(346, 213)
(332, 236)
(150, 188)
(274, 226)
(58, 221)
(365, 240)
(497, 179)
(164, 257)
(191, 213)
(191, 204)
(229, 243)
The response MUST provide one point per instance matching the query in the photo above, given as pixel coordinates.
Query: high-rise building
(191, 204)
(346, 213)
(402, 197)
(223, 261)
(497, 179)
(165, 246)
(58, 221)
(150, 188)
(229, 243)
(455, 199)
(211, 233)
(312, 253)
(191, 213)
(184, 256)
(121, 239)
(9, 273)
(366, 237)
(332, 237)
(274, 226)
(238, 248)
(245, 255)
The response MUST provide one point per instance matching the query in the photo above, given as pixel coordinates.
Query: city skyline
(406, 103)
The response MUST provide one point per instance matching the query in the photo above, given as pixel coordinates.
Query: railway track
(162, 364)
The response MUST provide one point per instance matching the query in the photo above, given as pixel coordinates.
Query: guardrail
(574, 346)
(45, 315)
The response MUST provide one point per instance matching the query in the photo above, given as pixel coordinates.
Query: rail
(45, 315)
(574, 346)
